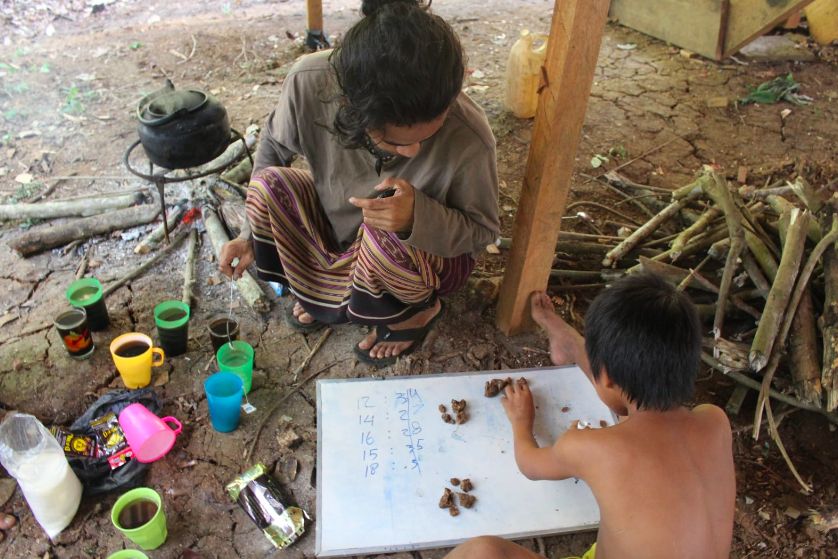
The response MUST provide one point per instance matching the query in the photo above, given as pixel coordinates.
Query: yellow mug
(134, 356)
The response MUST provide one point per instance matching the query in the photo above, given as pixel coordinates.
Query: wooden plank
(314, 13)
(751, 18)
(695, 25)
(575, 37)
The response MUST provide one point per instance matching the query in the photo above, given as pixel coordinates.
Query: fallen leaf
(24, 178)
(491, 248)
(627, 46)
(162, 378)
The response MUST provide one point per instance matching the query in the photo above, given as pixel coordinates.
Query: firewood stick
(684, 236)
(240, 174)
(775, 436)
(41, 195)
(763, 256)
(745, 380)
(676, 275)
(803, 339)
(247, 286)
(802, 281)
(690, 191)
(145, 265)
(700, 243)
(608, 274)
(781, 288)
(716, 188)
(52, 210)
(644, 231)
(807, 194)
(83, 264)
(189, 268)
(230, 155)
(153, 238)
(779, 205)
(45, 237)
(755, 273)
(829, 329)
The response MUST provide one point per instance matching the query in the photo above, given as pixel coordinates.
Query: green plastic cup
(87, 293)
(237, 357)
(139, 515)
(128, 554)
(172, 320)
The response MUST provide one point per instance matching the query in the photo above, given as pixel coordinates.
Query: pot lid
(163, 108)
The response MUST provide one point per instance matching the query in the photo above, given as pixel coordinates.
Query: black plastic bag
(96, 474)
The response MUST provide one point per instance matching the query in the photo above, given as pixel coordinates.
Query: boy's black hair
(399, 65)
(647, 335)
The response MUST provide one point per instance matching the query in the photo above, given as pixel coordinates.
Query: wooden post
(567, 75)
(314, 12)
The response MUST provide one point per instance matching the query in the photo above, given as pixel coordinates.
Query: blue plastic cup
(224, 396)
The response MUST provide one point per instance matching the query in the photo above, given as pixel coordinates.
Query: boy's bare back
(664, 482)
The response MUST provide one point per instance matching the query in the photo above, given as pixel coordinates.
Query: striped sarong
(376, 280)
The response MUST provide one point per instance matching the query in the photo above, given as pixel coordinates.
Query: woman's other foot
(383, 350)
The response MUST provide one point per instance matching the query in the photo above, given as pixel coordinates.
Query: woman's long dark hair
(400, 65)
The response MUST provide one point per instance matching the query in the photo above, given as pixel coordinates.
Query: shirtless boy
(663, 477)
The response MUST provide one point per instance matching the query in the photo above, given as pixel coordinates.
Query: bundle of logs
(761, 266)
(219, 198)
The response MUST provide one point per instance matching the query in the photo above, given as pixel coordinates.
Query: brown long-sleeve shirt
(454, 174)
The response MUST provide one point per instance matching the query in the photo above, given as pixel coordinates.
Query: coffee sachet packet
(261, 499)
(111, 440)
(75, 445)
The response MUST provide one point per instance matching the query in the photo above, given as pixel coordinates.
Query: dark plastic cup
(222, 330)
(172, 320)
(87, 294)
(74, 331)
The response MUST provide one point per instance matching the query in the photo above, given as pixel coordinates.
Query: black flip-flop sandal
(302, 327)
(384, 334)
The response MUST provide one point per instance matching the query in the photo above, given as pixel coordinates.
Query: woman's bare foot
(301, 315)
(391, 349)
(566, 344)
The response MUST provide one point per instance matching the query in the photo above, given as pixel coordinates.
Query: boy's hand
(394, 213)
(518, 405)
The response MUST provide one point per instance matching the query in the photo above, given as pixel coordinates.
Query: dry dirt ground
(72, 72)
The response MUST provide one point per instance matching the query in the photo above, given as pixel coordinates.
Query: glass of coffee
(75, 333)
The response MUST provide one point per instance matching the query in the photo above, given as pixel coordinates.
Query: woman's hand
(241, 249)
(394, 213)
(518, 405)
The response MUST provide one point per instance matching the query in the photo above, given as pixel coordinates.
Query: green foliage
(619, 151)
(781, 88)
(597, 160)
(135, 45)
(24, 191)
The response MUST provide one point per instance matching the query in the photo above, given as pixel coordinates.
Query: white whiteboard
(384, 458)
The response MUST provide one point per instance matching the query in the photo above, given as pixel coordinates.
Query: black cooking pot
(180, 129)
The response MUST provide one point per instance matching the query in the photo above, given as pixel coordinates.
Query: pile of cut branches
(761, 266)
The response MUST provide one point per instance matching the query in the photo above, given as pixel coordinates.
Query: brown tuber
(447, 499)
(466, 500)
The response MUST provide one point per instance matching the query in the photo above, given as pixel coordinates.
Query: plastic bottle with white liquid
(35, 459)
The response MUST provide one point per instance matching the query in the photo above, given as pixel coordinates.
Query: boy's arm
(559, 461)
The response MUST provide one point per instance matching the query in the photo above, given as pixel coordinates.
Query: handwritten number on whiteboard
(364, 402)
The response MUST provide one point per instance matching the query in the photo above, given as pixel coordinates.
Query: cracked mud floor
(67, 101)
